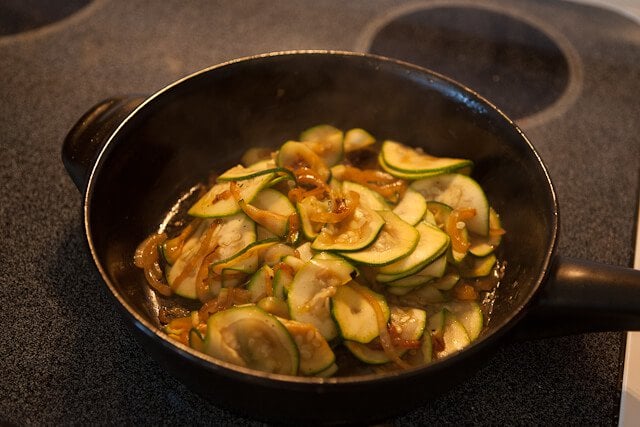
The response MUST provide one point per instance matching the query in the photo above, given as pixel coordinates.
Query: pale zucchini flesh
(409, 160)
(250, 337)
(457, 191)
(356, 233)
(396, 240)
(354, 314)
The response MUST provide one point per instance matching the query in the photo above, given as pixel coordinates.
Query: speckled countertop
(66, 355)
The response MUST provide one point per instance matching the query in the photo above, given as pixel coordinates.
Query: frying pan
(132, 157)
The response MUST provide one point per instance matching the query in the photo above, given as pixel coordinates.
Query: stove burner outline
(556, 108)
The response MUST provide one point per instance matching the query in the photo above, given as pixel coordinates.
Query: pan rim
(316, 383)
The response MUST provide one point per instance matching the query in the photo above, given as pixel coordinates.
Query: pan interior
(206, 122)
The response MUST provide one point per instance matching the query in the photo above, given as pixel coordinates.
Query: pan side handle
(88, 136)
(584, 296)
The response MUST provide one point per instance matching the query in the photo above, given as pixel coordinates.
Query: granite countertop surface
(69, 358)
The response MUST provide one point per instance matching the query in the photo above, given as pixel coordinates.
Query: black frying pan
(133, 157)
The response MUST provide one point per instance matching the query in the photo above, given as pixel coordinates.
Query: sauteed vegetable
(332, 255)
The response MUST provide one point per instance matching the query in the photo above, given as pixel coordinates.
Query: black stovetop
(569, 74)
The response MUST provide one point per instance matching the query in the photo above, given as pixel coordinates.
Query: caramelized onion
(147, 257)
(387, 186)
(459, 241)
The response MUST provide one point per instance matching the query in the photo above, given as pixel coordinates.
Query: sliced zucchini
(246, 260)
(396, 240)
(469, 314)
(409, 282)
(219, 202)
(440, 212)
(293, 155)
(412, 207)
(311, 289)
(432, 243)
(366, 353)
(196, 340)
(427, 294)
(457, 191)
(399, 290)
(306, 207)
(250, 337)
(357, 139)
(406, 159)
(275, 306)
(409, 325)
(435, 269)
(353, 234)
(484, 245)
(328, 372)
(239, 172)
(368, 197)
(403, 175)
(235, 234)
(277, 253)
(354, 314)
(315, 353)
(274, 210)
(454, 335)
(446, 282)
(261, 283)
(282, 280)
(477, 267)
(326, 141)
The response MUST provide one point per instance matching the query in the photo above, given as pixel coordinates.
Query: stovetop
(569, 73)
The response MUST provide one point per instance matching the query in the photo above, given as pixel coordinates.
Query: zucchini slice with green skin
(477, 267)
(357, 139)
(351, 235)
(440, 212)
(412, 207)
(282, 280)
(454, 335)
(326, 141)
(403, 175)
(306, 207)
(219, 202)
(368, 197)
(396, 240)
(261, 283)
(234, 235)
(433, 242)
(457, 191)
(427, 294)
(276, 203)
(354, 314)
(312, 286)
(250, 337)
(409, 281)
(409, 324)
(315, 353)
(406, 159)
(293, 154)
(239, 172)
(446, 282)
(485, 245)
(196, 340)
(246, 260)
(469, 314)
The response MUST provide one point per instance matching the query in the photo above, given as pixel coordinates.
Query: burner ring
(530, 99)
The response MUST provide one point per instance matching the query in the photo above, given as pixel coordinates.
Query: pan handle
(584, 296)
(85, 140)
